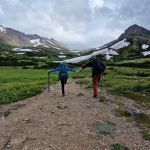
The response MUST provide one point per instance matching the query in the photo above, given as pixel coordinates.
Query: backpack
(63, 74)
(97, 66)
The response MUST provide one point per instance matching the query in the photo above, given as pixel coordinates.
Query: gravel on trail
(49, 121)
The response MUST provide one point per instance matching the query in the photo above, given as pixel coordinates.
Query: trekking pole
(101, 82)
(48, 81)
(106, 85)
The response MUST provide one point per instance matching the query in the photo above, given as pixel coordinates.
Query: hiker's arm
(57, 69)
(89, 64)
(70, 69)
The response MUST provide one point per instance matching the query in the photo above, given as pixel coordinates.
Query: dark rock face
(134, 30)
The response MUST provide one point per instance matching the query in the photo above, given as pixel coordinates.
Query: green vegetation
(143, 121)
(133, 51)
(121, 112)
(17, 83)
(6, 113)
(116, 102)
(126, 81)
(146, 134)
(118, 146)
(84, 82)
(104, 127)
(16, 91)
(102, 98)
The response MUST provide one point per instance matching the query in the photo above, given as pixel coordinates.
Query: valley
(24, 64)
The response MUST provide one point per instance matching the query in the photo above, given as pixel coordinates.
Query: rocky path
(49, 121)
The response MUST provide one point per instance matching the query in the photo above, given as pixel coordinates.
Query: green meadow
(17, 83)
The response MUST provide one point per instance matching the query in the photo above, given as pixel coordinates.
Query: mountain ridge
(17, 38)
(134, 44)
(135, 30)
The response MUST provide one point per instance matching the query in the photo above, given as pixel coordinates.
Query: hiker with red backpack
(97, 70)
(63, 74)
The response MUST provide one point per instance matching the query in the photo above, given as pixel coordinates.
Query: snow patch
(120, 44)
(146, 53)
(144, 46)
(24, 50)
(86, 57)
(46, 46)
(20, 53)
(36, 42)
(6, 52)
(50, 42)
(57, 48)
(75, 51)
(2, 29)
(61, 56)
(40, 57)
(108, 57)
(61, 53)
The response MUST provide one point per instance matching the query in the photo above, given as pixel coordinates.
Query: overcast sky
(79, 24)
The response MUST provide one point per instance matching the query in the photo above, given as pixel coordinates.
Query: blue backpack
(97, 66)
(63, 74)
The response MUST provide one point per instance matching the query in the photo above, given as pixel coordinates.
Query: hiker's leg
(99, 77)
(65, 80)
(95, 79)
(62, 86)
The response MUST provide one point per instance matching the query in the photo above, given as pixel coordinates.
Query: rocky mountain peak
(134, 29)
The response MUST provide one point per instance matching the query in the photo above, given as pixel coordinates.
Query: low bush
(143, 119)
(121, 112)
(14, 92)
(104, 127)
(6, 113)
(146, 134)
(118, 146)
(116, 102)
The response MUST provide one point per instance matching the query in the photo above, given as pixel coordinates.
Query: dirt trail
(49, 121)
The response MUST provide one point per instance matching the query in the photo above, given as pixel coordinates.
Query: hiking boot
(95, 96)
(63, 95)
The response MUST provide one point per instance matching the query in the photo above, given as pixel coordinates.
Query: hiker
(97, 70)
(63, 74)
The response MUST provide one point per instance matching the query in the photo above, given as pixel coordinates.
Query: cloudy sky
(79, 24)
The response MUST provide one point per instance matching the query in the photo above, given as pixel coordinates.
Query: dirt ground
(49, 121)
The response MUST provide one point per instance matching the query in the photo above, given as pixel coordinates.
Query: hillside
(20, 49)
(17, 38)
(132, 44)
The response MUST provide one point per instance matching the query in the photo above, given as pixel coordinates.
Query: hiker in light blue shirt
(63, 74)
